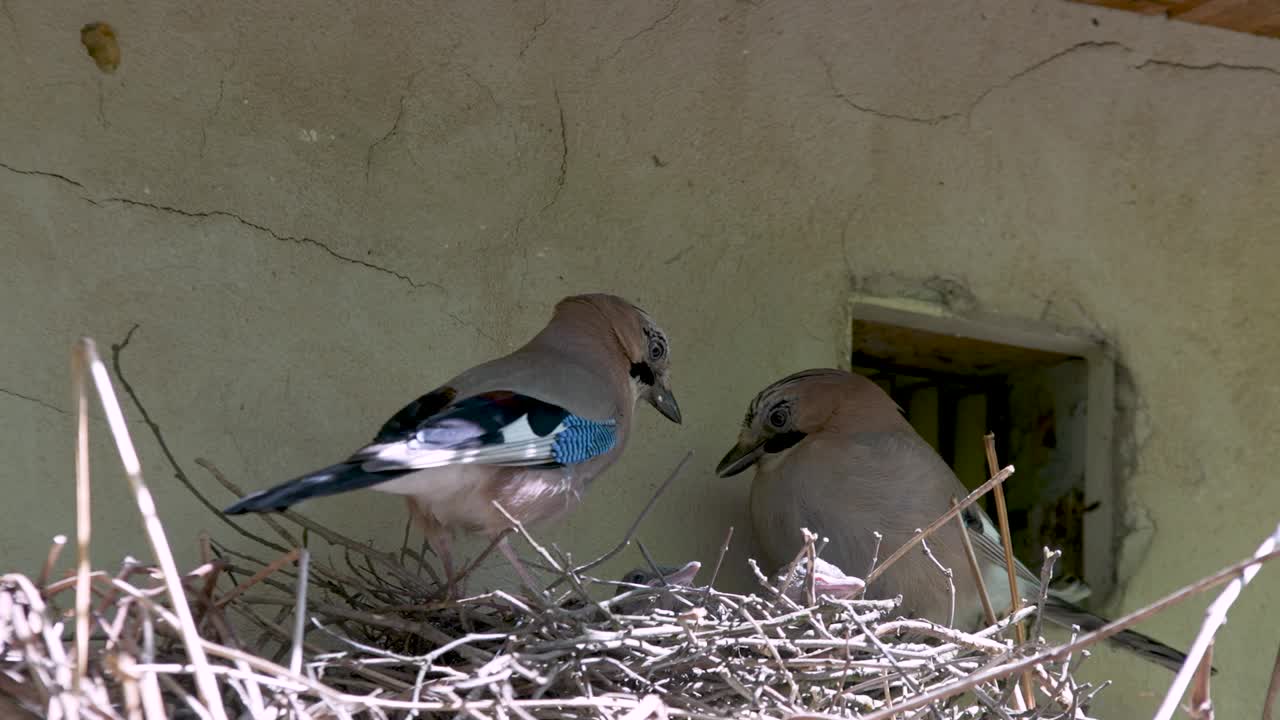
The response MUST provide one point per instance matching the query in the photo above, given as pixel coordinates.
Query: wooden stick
(86, 354)
(1002, 512)
(300, 613)
(84, 518)
(1273, 689)
(1201, 701)
(1215, 617)
(724, 548)
(942, 520)
(55, 551)
(257, 577)
(987, 609)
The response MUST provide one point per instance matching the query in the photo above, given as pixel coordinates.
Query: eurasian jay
(530, 430)
(671, 575)
(827, 580)
(834, 453)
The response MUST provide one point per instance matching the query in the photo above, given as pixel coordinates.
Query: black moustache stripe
(778, 443)
(642, 372)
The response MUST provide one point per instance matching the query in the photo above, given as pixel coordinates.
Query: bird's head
(646, 348)
(796, 407)
(672, 574)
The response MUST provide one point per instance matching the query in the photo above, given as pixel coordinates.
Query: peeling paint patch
(99, 40)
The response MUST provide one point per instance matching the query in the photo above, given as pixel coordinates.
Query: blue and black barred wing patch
(494, 428)
(578, 440)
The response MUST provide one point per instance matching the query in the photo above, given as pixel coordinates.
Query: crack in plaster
(395, 127)
(981, 97)
(8, 14)
(1039, 64)
(213, 112)
(676, 258)
(515, 230)
(1150, 62)
(564, 154)
(102, 105)
(35, 400)
(42, 173)
(533, 33)
(400, 115)
(95, 414)
(467, 324)
(647, 29)
(206, 214)
(855, 280)
(841, 96)
(488, 90)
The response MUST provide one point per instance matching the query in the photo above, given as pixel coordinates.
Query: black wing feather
(430, 420)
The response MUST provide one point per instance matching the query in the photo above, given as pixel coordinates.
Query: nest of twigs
(351, 631)
(372, 647)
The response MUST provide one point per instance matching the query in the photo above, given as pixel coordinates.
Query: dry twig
(1215, 617)
(389, 650)
(1015, 599)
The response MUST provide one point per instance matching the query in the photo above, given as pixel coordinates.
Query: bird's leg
(440, 544)
(511, 557)
(438, 538)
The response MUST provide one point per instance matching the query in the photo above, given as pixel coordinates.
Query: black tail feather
(339, 478)
(1066, 614)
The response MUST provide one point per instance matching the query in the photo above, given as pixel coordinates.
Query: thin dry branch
(389, 649)
(1273, 689)
(1215, 617)
(178, 472)
(1061, 651)
(635, 524)
(1201, 706)
(87, 359)
(1006, 539)
(987, 610)
(51, 559)
(942, 520)
(80, 370)
(271, 522)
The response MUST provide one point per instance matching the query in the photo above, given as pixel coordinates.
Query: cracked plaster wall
(313, 211)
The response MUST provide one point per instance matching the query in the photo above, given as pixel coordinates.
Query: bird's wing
(903, 460)
(498, 427)
(849, 486)
(494, 428)
(988, 548)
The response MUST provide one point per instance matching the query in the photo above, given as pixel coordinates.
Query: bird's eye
(657, 349)
(779, 417)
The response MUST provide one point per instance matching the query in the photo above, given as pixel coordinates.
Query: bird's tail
(334, 479)
(1065, 613)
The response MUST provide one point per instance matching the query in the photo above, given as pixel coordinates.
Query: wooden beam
(1255, 17)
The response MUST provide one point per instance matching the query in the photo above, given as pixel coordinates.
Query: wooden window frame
(1100, 525)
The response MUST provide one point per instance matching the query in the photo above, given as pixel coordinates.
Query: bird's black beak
(739, 458)
(660, 397)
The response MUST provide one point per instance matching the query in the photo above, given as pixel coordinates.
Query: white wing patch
(520, 446)
(987, 546)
